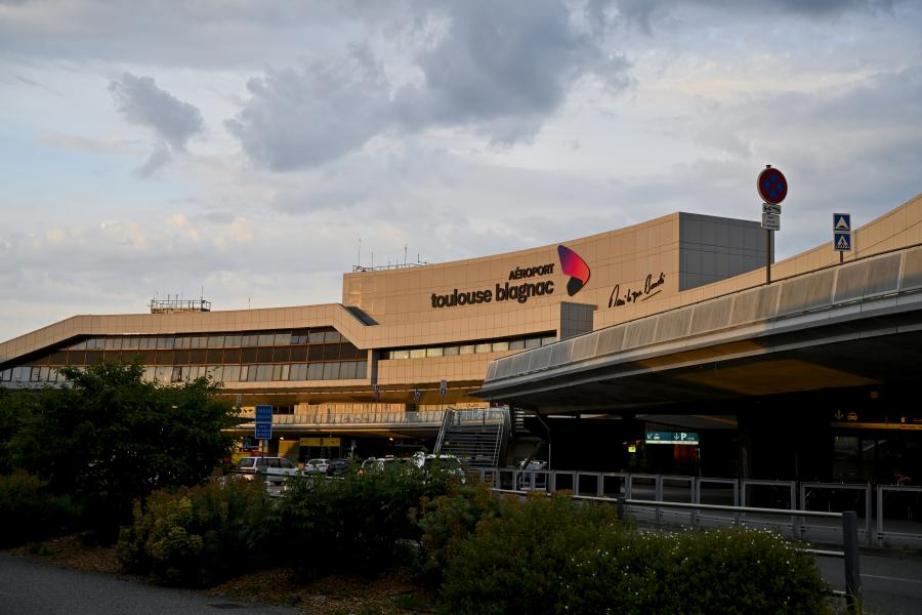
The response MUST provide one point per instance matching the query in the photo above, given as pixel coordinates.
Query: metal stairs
(477, 437)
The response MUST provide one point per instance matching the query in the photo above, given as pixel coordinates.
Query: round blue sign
(772, 185)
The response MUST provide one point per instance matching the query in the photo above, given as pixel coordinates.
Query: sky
(255, 151)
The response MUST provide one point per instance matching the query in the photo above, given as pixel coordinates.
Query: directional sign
(772, 185)
(263, 423)
(842, 223)
(672, 437)
(842, 242)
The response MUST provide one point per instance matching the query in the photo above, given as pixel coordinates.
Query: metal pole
(768, 256)
(852, 570)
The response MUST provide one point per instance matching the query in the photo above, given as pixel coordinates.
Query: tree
(108, 438)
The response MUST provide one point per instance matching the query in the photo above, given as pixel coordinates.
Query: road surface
(32, 588)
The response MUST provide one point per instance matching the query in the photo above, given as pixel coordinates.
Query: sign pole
(773, 188)
(768, 256)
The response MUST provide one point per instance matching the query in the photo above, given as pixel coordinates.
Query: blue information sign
(263, 423)
(842, 242)
(672, 437)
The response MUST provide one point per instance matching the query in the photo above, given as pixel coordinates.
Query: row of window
(339, 370)
(297, 337)
(199, 356)
(481, 347)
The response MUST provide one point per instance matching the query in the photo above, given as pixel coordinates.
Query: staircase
(477, 437)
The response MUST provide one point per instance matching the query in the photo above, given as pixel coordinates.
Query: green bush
(29, 512)
(554, 556)
(355, 524)
(198, 536)
(447, 521)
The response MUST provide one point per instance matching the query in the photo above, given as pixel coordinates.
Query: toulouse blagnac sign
(570, 262)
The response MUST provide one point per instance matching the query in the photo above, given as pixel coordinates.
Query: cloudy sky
(247, 147)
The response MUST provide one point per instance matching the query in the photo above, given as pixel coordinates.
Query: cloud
(500, 68)
(172, 121)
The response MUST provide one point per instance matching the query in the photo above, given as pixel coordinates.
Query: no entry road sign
(772, 185)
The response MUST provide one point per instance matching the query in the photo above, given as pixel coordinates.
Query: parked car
(317, 466)
(449, 464)
(274, 469)
(338, 467)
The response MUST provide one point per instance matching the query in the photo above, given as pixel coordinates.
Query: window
(232, 341)
(361, 369)
(182, 343)
(550, 339)
(315, 371)
(148, 343)
(198, 342)
(282, 339)
(487, 347)
(251, 374)
(332, 337)
(532, 342)
(164, 343)
(263, 373)
(265, 339)
(216, 341)
(451, 351)
(399, 354)
(231, 373)
(244, 373)
(467, 349)
(131, 343)
(417, 353)
(315, 337)
(35, 375)
(298, 371)
(176, 376)
(248, 341)
(434, 352)
(280, 372)
(347, 370)
(516, 344)
(331, 371)
(500, 346)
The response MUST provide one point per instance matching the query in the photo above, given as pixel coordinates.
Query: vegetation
(198, 536)
(108, 439)
(28, 509)
(551, 556)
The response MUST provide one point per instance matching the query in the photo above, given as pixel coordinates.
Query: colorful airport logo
(575, 267)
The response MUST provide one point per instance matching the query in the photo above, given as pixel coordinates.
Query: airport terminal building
(600, 345)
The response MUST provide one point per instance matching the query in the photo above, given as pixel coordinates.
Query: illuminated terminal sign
(672, 437)
(504, 291)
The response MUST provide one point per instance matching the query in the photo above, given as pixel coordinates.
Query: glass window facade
(485, 346)
(263, 356)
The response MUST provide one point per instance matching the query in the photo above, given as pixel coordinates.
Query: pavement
(891, 581)
(32, 588)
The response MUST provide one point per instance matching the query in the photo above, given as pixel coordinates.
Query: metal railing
(848, 521)
(898, 518)
(386, 417)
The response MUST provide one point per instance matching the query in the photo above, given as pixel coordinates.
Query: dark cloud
(172, 121)
(498, 67)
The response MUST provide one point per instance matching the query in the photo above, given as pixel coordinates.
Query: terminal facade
(375, 372)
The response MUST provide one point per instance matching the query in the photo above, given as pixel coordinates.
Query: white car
(316, 466)
(274, 469)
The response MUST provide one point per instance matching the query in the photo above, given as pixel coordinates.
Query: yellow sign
(631, 448)
(330, 442)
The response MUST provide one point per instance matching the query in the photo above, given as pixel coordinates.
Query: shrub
(29, 511)
(446, 521)
(553, 556)
(197, 536)
(355, 524)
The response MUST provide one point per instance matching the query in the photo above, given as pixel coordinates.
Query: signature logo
(651, 287)
(574, 266)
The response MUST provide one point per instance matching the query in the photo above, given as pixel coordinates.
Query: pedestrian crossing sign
(842, 242)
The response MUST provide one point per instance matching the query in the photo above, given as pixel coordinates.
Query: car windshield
(246, 462)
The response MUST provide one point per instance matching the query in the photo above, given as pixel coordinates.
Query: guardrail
(898, 518)
(848, 520)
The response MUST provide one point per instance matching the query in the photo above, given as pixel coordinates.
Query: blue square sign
(842, 242)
